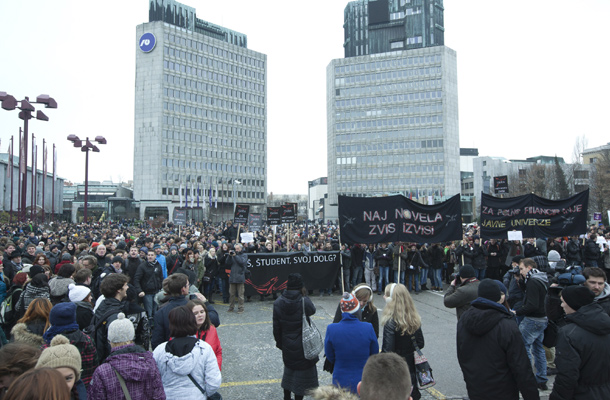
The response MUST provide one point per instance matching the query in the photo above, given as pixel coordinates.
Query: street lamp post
(86, 146)
(239, 183)
(10, 103)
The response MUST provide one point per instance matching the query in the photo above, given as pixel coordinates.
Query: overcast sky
(532, 76)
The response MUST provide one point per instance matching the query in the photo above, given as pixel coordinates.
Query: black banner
(288, 213)
(534, 216)
(255, 222)
(269, 271)
(501, 184)
(179, 216)
(398, 219)
(273, 216)
(241, 213)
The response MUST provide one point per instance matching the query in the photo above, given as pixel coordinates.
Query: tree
(561, 185)
(599, 189)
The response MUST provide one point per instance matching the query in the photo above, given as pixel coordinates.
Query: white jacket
(200, 363)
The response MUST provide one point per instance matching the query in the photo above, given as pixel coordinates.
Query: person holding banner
(368, 263)
(383, 257)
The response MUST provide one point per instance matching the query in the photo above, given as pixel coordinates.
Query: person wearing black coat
(583, 348)
(591, 251)
(490, 349)
(148, 281)
(300, 374)
(573, 251)
(479, 259)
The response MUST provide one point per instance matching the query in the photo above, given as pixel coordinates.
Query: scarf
(56, 330)
(530, 273)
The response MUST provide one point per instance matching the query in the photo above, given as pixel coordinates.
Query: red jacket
(211, 337)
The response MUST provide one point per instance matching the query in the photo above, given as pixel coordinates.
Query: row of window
(213, 50)
(386, 64)
(404, 110)
(394, 135)
(411, 193)
(415, 40)
(207, 87)
(400, 87)
(401, 158)
(222, 194)
(416, 169)
(389, 75)
(385, 123)
(200, 125)
(387, 146)
(212, 63)
(387, 183)
(211, 166)
(202, 112)
(207, 181)
(218, 141)
(189, 150)
(205, 74)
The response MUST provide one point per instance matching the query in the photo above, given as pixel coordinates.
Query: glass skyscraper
(200, 113)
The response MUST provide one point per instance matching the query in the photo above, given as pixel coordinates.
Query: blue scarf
(56, 330)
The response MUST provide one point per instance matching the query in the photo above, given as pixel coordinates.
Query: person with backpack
(8, 307)
(59, 284)
(36, 288)
(114, 288)
(81, 296)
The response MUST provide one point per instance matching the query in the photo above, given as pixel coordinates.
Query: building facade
(392, 124)
(317, 191)
(200, 115)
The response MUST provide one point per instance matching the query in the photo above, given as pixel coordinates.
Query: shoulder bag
(312, 339)
(423, 372)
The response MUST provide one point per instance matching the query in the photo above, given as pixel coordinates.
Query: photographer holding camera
(238, 262)
(511, 281)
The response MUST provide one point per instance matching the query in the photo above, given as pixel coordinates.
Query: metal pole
(53, 188)
(12, 170)
(32, 188)
(24, 183)
(86, 181)
(44, 173)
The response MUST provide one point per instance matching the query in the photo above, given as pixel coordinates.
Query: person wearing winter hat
(81, 296)
(490, 349)
(462, 291)
(63, 321)
(300, 374)
(134, 364)
(349, 343)
(65, 358)
(583, 348)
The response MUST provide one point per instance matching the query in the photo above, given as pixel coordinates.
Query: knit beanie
(517, 259)
(66, 257)
(61, 354)
(35, 270)
(488, 289)
(121, 330)
(78, 292)
(294, 282)
(554, 256)
(577, 296)
(467, 271)
(118, 259)
(349, 303)
(63, 314)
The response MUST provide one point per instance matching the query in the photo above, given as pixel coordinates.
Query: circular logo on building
(147, 42)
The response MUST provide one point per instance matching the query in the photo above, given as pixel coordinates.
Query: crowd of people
(124, 310)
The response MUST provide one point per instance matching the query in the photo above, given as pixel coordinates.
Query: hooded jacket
(149, 277)
(582, 353)
(535, 292)
(138, 369)
(604, 298)
(200, 362)
(492, 355)
(30, 333)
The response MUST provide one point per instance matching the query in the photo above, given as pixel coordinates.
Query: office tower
(200, 115)
(392, 114)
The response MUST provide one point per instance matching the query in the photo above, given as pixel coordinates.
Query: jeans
(369, 278)
(402, 276)
(149, 305)
(533, 333)
(413, 278)
(424, 276)
(384, 273)
(236, 290)
(346, 280)
(436, 278)
(479, 274)
(357, 276)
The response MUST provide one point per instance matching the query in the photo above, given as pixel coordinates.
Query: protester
(385, 376)
(237, 262)
(205, 330)
(348, 344)
(300, 374)
(30, 328)
(37, 288)
(81, 296)
(148, 281)
(39, 384)
(583, 348)
(462, 291)
(187, 365)
(15, 359)
(114, 289)
(490, 349)
(135, 366)
(59, 285)
(330, 392)
(65, 358)
(367, 312)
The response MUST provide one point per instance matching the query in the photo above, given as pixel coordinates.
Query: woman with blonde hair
(401, 327)
(30, 328)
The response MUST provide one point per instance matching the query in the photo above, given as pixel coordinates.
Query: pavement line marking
(248, 383)
(437, 395)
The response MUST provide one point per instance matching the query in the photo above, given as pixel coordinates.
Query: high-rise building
(379, 26)
(392, 114)
(200, 116)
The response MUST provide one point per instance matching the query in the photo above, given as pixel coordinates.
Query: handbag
(312, 339)
(423, 372)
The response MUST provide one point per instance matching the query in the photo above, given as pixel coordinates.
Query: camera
(515, 271)
(232, 252)
(455, 276)
(192, 297)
